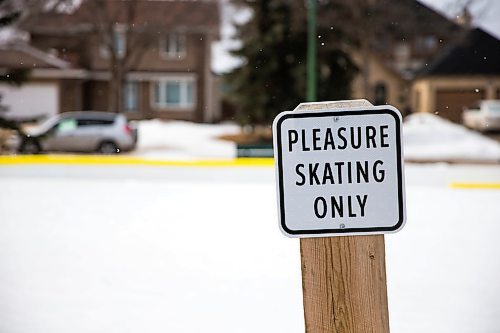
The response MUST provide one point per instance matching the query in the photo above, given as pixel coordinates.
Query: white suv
(88, 131)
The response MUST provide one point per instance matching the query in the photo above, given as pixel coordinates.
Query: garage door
(450, 103)
(29, 101)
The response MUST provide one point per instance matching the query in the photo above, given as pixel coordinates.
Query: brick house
(170, 77)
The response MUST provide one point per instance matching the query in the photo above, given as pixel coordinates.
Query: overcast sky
(486, 15)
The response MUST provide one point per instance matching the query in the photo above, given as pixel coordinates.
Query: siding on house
(396, 88)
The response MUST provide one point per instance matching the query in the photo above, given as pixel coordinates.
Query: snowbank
(431, 138)
(184, 140)
(427, 138)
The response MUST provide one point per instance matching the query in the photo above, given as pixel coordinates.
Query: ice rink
(171, 249)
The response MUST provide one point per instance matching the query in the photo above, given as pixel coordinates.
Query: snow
(428, 137)
(442, 268)
(144, 256)
(184, 140)
(167, 249)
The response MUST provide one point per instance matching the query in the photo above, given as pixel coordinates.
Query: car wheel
(30, 147)
(108, 148)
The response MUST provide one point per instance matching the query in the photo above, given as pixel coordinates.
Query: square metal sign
(339, 171)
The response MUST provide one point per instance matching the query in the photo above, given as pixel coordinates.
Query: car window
(66, 125)
(49, 124)
(94, 122)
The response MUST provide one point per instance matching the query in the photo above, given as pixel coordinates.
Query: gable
(477, 53)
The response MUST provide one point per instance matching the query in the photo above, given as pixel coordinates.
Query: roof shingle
(478, 53)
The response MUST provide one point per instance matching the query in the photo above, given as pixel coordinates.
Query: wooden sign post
(344, 284)
(329, 185)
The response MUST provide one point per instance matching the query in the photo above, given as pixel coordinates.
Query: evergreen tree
(272, 77)
(8, 15)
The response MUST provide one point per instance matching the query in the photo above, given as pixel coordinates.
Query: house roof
(23, 55)
(402, 19)
(185, 15)
(477, 53)
(407, 25)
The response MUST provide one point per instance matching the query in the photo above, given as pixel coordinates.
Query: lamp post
(311, 51)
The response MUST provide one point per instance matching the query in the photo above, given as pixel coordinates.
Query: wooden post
(344, 284)
(343, 278)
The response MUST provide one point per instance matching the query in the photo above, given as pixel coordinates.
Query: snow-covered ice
(166, 249)
(97, 255)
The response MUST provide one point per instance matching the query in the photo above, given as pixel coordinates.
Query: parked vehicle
(88, 131)
(485, 118)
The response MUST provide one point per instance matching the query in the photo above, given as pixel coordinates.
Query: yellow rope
(130, 160)
(476, 186)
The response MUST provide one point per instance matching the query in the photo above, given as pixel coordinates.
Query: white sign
(339, 171)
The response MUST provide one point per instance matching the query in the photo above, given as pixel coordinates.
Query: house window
(402, 51)
(173, 46)
(119, 43)
(131, 96)
(426, 43)
(174, 93)
(430, 42)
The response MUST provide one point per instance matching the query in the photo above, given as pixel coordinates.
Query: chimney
(464, 18)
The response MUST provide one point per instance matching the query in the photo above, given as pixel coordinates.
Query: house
(158, 52)
(462, 75)
(39, 95)
(385, 85)
(406, 37)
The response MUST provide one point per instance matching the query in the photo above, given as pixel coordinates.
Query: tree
(9, 13)
(124, 38)
(119, 26)
(12, 12)
(468, 12)
(272, 77)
